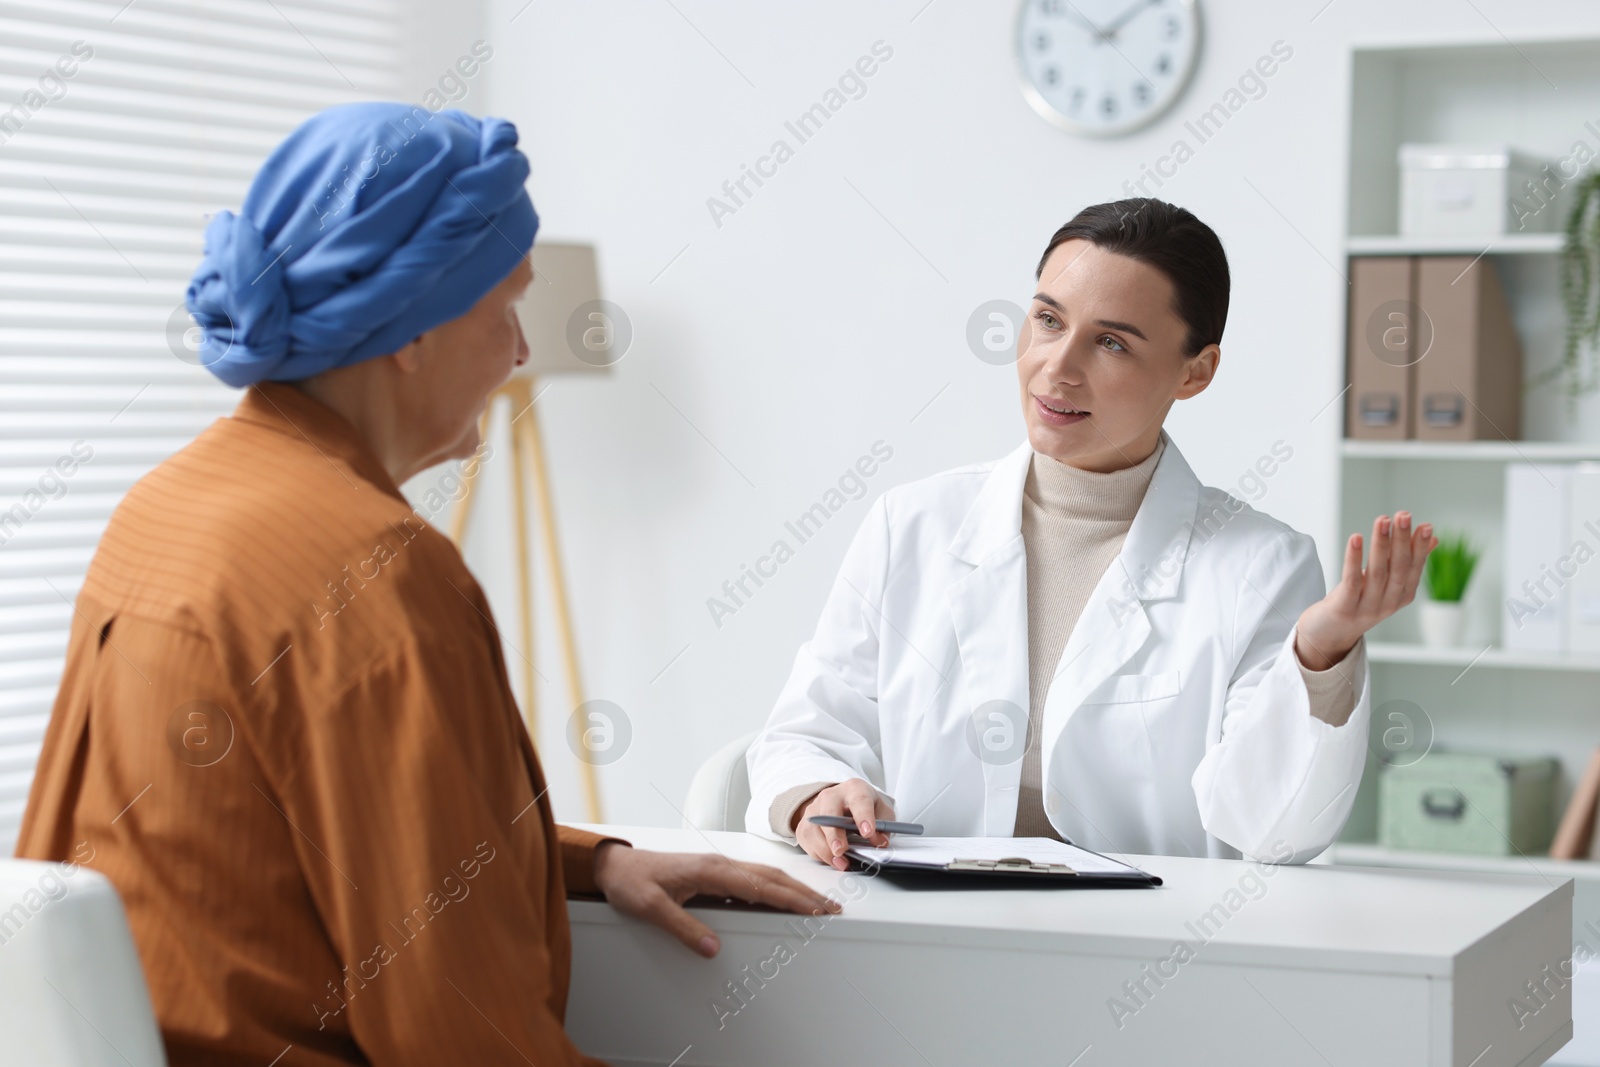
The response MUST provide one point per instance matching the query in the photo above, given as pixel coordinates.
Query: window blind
(123, 125)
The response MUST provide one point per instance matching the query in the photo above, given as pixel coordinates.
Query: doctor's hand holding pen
(1330, 628)
(855, 799)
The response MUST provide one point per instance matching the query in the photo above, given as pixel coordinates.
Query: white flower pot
(1441, 623)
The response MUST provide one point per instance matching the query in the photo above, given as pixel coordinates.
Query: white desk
(1316, 965)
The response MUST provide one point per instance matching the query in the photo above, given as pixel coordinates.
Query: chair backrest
(72, 993)
(720, 790)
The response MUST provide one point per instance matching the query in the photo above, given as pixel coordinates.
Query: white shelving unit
(1476, 451)
(1479, 696)
(1488, 656)
(1508, 245)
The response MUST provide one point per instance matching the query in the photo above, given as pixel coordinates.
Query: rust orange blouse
(285, 733)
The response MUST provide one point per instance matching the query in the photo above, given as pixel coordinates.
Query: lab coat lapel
(1114, 624)
(989, 609)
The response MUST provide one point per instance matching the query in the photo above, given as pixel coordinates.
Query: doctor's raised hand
(1330, 628)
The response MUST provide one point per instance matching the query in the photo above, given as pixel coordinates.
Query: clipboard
(996, 862)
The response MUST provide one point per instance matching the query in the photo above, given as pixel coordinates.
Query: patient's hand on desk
(854, 798)
(653, 886)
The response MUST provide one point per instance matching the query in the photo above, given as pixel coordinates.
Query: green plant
(1448, 568)
(1580, 293)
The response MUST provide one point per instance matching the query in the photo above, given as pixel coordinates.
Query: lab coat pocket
(1112, 729)
(1126, 688)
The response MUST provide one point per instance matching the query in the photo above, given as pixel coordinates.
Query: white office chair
(720, 790)
(72, 993)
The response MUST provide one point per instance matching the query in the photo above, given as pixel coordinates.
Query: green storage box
(1468, 802)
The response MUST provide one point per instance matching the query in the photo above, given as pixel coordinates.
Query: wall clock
(1103, 68)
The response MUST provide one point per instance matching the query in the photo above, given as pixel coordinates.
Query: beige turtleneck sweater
(1073, 524)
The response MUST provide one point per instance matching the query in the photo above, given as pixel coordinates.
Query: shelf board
(1370, 854)
(1401, 652)
(1503, 245)
(1474, 451)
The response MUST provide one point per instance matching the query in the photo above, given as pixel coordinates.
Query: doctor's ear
(1199, 369)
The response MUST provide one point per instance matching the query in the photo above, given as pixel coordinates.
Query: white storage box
(1483, 190)
(1537, 569)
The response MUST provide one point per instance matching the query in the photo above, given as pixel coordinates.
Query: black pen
(886, 826)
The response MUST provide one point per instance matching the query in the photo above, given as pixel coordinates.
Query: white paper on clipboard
(942, 851)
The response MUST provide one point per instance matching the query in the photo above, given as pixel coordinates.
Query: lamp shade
(570, 330)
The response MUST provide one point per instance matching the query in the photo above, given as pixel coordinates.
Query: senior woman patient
(330, 828)
(1079, 640)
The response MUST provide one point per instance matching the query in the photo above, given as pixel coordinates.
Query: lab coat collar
(989, 609)
(1157, 542)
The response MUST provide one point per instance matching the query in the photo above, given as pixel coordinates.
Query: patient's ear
(409, 359)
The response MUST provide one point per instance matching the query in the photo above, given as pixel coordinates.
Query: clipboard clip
(1010, 863)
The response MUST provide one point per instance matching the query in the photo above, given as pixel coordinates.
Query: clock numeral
(1108, 105)
(1077, 99)
(1041, 42)
(1174, 27)
(1050, 7)
(1051, 75)
(1141, 92)
(1164, 64)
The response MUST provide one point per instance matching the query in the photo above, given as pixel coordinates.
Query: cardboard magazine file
(1468, 384)
(1378, 406)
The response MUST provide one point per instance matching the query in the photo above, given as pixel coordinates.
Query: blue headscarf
(372, 223)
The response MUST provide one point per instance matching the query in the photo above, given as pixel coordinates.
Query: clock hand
(1126, 17)
(1085, 23)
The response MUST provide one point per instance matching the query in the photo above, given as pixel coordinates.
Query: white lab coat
(1177, 722)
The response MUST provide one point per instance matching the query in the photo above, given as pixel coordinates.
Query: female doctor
(1079, 640)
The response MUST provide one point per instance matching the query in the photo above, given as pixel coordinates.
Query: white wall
(774, 350)
(432, 37)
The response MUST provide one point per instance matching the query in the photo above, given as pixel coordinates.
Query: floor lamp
(569, 330)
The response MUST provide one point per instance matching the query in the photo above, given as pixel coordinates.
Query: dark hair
(1173, 241)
